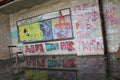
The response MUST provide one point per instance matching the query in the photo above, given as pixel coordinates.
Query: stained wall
(5, 35)
(87, 30)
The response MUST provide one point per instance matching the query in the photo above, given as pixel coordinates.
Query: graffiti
(35, 62)
(85, 6)
(34, 48)
(69, 63)
(54, 63)
(85, 14)
(67, 45)
(88, 33)
(66, 75)
(36, 75)
(86, 17)
(49, 47)
(39, 47)
(42, 75)
(45, 27)
(52, 27)
(30, 32)
(58, 28)
(111, 16)
(48, 62)
(62, 28)
(28, 74)
(90, 45)
(64, 46)
(86, 23)
(37, 31)
(27, 49)
(52, 46)
(50, 75)
(88, 5)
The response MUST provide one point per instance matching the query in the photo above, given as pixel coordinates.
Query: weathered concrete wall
(35, 11)
(88, 68)
(112, 24)
(5, 39)
(88, 40)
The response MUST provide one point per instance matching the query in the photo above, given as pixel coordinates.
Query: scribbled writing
(90, 45)
(34, 48)
(86, 6)
(44, 62)
(67, 45)
(35, 62)
(52, 46)
(62, 29)
(69, 63)
(49, 47)
(111, 16)
(85, 18)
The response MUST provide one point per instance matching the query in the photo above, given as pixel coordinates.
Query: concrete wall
(91, 19)
(5, 33)
(89, 68)
(35, 11)
(112, 23)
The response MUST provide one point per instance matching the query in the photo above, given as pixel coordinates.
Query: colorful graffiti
(35, 75)
(50, 62)
(50, 75)
(86, 16)
(52, 46)
(90, 45)
(50, 28)
(34, 48)
(46, 48)
(62, 28)
(30, 32)
(111, 16)
(45, 27)
(67, 46)
(33, 62)
(69, 63)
